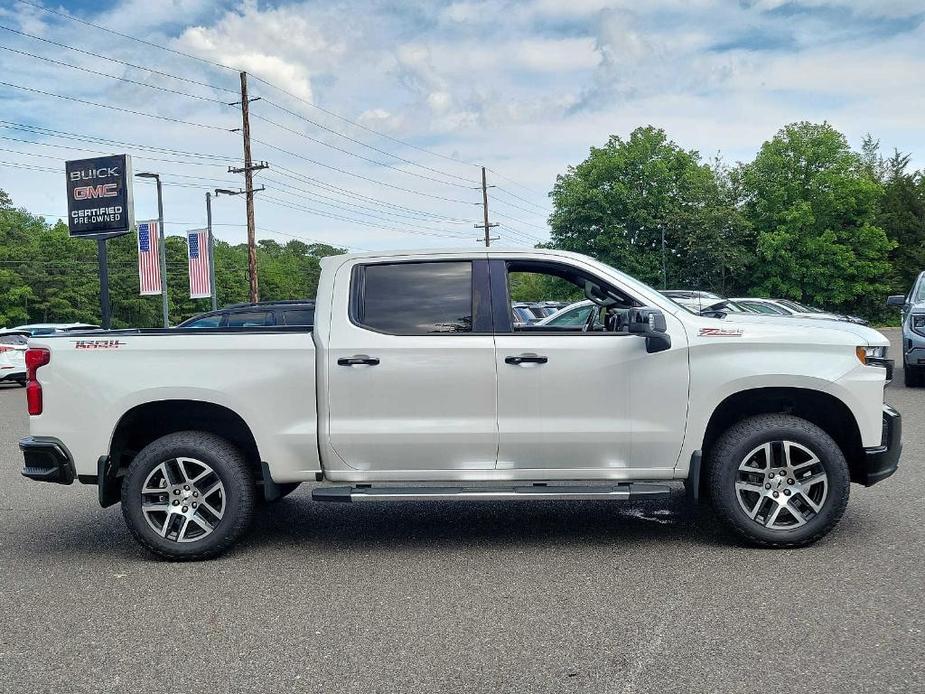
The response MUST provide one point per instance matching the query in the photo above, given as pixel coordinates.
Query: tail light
(35, 357)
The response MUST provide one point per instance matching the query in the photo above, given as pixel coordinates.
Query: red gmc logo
(105, 190)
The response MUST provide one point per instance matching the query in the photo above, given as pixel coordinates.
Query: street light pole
(211, 251)
(162, 242)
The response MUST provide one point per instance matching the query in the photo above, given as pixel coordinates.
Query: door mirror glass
(896, 300)
(650, 323)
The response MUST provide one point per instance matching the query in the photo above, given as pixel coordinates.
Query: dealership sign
(99, 196)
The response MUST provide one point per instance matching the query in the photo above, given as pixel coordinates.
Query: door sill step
(623, 491)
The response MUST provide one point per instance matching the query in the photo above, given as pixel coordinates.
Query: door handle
(526, 359)
(358, 360)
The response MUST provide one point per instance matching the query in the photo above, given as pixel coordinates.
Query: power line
(353, 211)
(113, 77)
(114, 108)
(227, 67)
(301, 208)
(517, 197)
(302, 178)
(360, 142)
(328, 112)
(314, 194)
(513, 182)
(99, 152)
(354, 154)
(63, 134)
(117, 60)
(120, 34)
(360, 176)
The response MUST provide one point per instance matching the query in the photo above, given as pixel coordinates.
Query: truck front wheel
(188, 495)
(778, 480)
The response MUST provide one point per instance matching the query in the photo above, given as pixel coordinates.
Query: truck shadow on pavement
(299, 521)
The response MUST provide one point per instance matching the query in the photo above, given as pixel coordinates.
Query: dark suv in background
(263, 313)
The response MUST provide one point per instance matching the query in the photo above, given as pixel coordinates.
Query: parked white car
(13, 356)
(415, 373)
(50, 328)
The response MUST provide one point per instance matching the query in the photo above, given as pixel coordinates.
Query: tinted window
(416, 298)
(250, 319)
(205, 322)
(301, 316)
(18, 340)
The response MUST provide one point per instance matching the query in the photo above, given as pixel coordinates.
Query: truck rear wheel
(778, 480)
(188, 496)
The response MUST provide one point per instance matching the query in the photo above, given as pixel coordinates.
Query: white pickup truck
(416, 384)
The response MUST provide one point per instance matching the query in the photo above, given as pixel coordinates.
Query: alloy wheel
(183, 499)
(781, 485)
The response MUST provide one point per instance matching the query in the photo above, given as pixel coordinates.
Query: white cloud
(524, 86)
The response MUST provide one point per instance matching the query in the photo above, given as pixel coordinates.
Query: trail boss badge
(720, 332)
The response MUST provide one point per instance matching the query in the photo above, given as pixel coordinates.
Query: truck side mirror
(896, 300)
(650, 323)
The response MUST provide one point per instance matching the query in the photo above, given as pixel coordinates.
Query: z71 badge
(97, 344)
(720, 332)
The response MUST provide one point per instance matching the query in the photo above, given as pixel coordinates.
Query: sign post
(100, 206)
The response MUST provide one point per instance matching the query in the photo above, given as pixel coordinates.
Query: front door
(583, 397)
(411, 368)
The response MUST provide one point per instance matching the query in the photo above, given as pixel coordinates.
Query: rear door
(411, 367)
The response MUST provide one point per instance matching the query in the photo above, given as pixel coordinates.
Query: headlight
(865, 353)
(918, 321)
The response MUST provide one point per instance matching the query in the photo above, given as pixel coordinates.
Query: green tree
(813, 205)
(618, 203)
(47, 276)
(902, 217)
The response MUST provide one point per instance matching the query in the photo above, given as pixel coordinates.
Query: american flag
(149, 266)
(199, 280)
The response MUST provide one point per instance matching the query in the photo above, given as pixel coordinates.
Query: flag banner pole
(149, 266)
(197, 248)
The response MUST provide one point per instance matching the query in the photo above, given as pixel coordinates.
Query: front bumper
(881, 461)
(46, 460)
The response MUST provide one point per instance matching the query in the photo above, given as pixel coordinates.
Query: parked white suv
(415, 383)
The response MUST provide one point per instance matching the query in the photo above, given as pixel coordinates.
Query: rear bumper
(46, 460)
(18, 376)
(881, 461)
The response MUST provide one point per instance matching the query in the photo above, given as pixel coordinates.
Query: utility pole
(486, 225)
(211, 251)
(248, 171)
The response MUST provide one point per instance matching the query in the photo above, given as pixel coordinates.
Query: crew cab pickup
(415, 383)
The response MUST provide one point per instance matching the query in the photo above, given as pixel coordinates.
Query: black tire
(743, 437)
(913, 377)
(229, 466)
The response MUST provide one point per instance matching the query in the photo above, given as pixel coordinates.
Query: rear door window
(414, 298)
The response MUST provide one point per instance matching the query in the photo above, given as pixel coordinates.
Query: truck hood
(800, 326)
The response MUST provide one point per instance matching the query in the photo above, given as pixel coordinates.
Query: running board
(624, 491)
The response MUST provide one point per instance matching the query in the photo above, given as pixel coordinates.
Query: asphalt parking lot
(463, 597)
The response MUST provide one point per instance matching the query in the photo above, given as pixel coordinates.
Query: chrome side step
(622, 491)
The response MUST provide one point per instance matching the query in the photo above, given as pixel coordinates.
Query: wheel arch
(144, 423)
(823, 409)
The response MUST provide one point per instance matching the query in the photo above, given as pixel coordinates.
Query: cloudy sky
(391, 104)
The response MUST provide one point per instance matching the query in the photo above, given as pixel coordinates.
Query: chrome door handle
(358, 360)
(526, 359)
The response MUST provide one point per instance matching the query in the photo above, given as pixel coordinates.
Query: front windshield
(920, 292)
